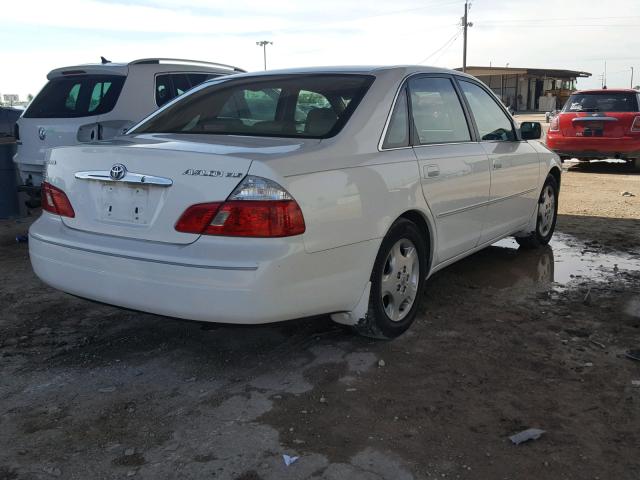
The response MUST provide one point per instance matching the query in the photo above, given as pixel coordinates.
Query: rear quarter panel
(354, 204)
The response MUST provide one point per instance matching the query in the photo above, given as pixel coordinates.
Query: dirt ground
(505, 340)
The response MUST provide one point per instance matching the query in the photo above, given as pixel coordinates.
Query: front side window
(436, 111)
(493, 124)
(76, 96)
(602, 102)
(309, 106)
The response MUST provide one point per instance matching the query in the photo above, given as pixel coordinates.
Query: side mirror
(531, 130)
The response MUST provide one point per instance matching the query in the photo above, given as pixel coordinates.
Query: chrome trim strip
(141, 259)
(483, 204)
(133, 178)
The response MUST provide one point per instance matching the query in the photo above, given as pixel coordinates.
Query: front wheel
(397, 281)
(547, 216)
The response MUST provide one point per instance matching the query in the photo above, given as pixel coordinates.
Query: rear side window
(308, 106)
(398, 130)
(172, 85)
(437, 114)
(602, 102)
(493, 124)
(76, 96)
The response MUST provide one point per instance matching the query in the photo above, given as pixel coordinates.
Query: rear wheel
(397, 281)
(547, 216)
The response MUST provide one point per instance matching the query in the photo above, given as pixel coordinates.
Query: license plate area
(124, 203)
(590, 129)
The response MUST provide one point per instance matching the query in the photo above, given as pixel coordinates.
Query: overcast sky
(571, 34)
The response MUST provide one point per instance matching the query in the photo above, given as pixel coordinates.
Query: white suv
(91, 102)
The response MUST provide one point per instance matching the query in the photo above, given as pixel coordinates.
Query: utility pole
(631, 78)
(465, 25)
(263, 44)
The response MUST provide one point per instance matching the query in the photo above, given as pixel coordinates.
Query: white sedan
(272, 196)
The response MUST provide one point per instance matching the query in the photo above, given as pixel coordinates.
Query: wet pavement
(507, 339)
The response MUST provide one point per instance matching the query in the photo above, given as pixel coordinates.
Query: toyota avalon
(271, 196)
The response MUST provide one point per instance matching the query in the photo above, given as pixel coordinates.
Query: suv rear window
(172, 85)
(307, 106)
(76, 96)
(602, 102)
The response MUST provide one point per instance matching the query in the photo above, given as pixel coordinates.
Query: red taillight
(635, 127)
(197, 217)
(555, 124)
(244, 218)
(56, 201)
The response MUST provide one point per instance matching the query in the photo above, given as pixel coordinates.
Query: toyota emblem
(118, 171)
(42, 133)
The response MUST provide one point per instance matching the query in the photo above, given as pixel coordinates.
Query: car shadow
(616, 167)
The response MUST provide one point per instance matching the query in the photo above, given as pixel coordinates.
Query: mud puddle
(565, 260)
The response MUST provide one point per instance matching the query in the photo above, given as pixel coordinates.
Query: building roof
(608, 90)
(538, 72)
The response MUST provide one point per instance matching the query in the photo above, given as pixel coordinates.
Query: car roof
(354, 69)
(120, 68)
(607, 90)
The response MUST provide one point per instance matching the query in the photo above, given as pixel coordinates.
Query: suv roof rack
(149, 61)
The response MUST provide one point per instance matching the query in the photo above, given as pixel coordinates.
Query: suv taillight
(56, 201)
(555, 124)
(635, 126)
(258, 207)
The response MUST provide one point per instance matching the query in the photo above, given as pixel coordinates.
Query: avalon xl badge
(212, 173)
(118, 171)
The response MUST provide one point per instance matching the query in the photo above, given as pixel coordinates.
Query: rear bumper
(594, 147)
(280, 282)
(31, 170)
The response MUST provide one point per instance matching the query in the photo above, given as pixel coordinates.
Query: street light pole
(631, 77)
(263, 44)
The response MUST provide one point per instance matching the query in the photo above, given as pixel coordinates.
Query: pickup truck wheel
(397, 282)
(547, 216)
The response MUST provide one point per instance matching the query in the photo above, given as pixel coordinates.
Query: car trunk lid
(140, 192)
(139, 187)
(601, 113)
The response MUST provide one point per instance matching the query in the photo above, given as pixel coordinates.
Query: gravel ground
(505, 340)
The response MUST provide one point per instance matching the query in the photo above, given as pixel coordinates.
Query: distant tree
(29, 97)
(637, 87)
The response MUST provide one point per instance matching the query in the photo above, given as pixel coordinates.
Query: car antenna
(104, 60)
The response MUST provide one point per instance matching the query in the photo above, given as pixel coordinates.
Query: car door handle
(431, 171)
(497, 165)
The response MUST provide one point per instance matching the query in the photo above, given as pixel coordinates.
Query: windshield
(308, 106)
(602, 102)
(76, 96)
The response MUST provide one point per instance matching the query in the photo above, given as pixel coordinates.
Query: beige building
(529, 89)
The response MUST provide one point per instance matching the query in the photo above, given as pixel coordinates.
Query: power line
(437, 59)
(556, 25)
(547, 20)
(446, 44)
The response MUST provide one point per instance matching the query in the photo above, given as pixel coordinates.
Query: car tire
(547, 215)
(397, 282)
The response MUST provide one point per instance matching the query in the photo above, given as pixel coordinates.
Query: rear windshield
(308, 106)
(76, 96)
(602, 102)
